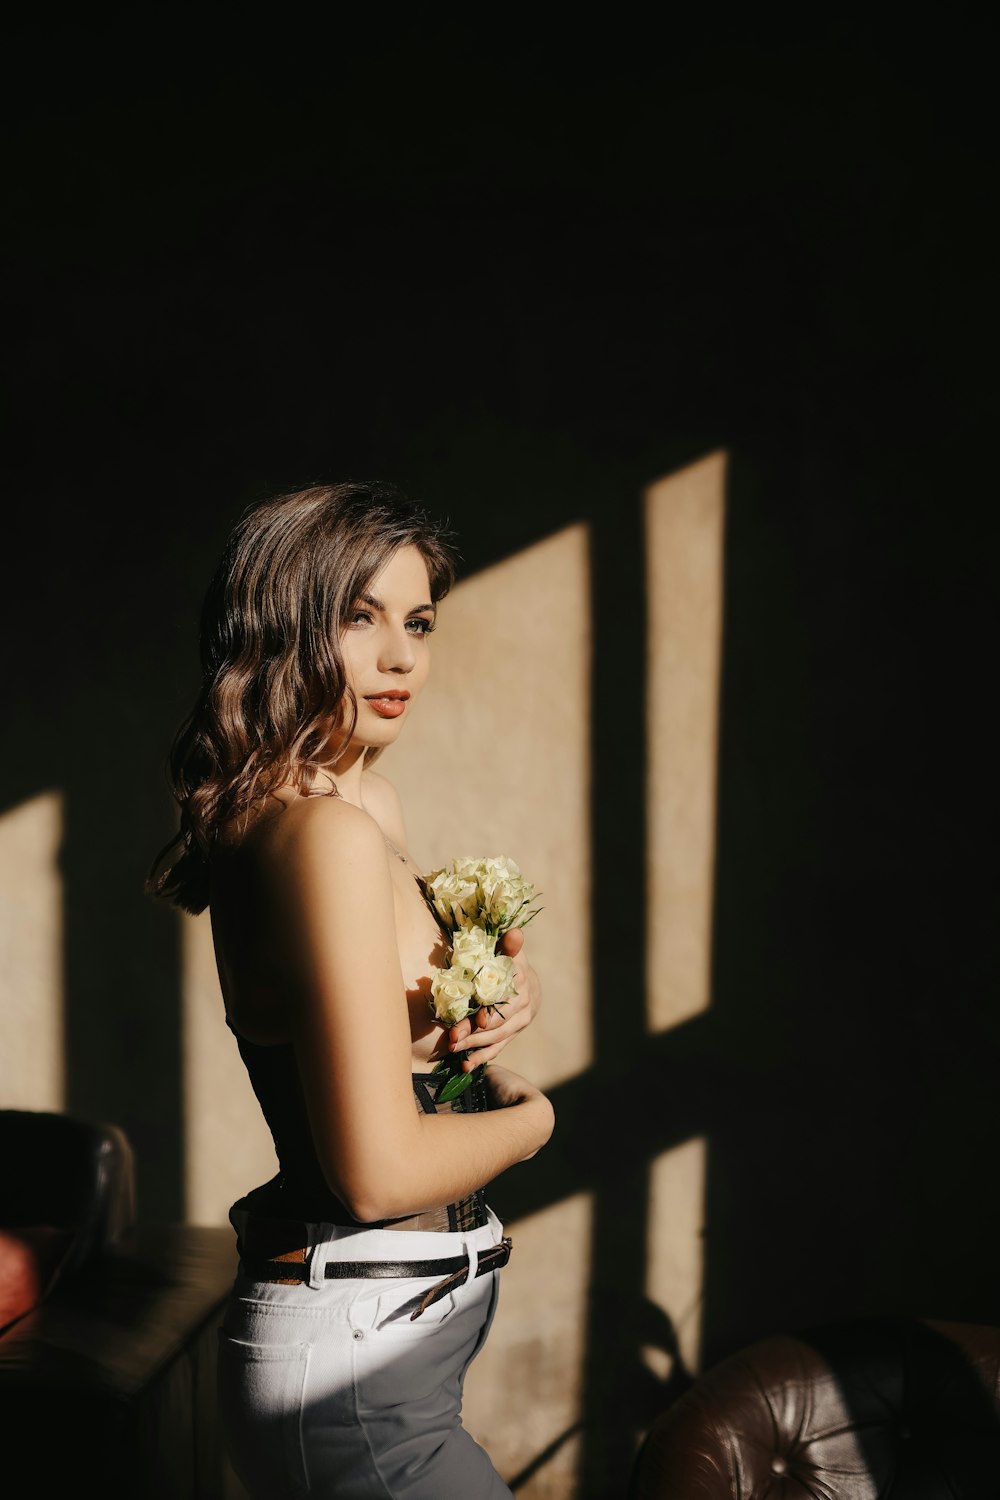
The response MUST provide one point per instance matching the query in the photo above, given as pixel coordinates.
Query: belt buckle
(498, 1255)
(460, 1277)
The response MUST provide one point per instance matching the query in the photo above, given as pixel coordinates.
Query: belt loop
(472, 1251)
(315, 1260)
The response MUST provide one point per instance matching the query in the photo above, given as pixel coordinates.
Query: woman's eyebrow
(374, 603)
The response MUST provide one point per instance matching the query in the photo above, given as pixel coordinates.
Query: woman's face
(386, 648)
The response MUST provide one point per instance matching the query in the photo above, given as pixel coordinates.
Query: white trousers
(328, 1388)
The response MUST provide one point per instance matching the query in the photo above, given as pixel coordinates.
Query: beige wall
(31, 944)
(496, 761)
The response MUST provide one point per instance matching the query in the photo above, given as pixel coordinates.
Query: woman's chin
(377, 739)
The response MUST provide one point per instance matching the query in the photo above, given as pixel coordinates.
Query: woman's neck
(345, 776)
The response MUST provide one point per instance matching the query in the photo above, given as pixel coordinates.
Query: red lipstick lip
(394, 693)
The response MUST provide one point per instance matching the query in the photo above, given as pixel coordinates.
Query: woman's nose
(397, 651)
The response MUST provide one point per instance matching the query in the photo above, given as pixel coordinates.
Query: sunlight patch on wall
(228, 1145)
(32, 1064)
(684, 521)
(525, 1389)
(675, 1251)
(496, 761)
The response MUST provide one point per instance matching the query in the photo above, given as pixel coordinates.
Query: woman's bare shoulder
(309, 830)
(321, 824)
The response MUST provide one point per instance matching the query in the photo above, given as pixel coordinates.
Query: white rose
(499, 869)
(456, 898)
(495, 980)
(468, 904)
(472, 946)
(451, 991)
(507, 899)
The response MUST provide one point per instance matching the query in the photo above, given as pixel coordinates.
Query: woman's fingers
(512, 942)
(482, 1039)
(486, 1033)
(487, 1045)
(478, 1059)
(490, 1024)
(489, 1017)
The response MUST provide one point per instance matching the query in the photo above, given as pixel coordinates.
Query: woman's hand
(486, 1035)
(508, 1090)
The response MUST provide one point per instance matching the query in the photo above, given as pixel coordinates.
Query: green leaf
(455, 1086)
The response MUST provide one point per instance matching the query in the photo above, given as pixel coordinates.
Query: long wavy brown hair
(273, 671)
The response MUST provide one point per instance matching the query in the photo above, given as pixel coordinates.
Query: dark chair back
(852, 1411)
(66, 1175)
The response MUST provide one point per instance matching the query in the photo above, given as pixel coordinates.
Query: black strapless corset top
(300, 1191)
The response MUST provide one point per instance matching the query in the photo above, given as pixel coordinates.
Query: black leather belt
(454, 1269)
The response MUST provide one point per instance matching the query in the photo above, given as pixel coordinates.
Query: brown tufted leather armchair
(871, 1409)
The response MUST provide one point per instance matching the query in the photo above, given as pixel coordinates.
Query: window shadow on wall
(845, 1069)
(836, 1084)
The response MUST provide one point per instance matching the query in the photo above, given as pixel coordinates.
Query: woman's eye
(363, 617)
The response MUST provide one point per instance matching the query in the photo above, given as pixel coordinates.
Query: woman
(369, 1266)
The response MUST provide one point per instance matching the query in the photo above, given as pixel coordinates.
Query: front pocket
(400, 1300)
(260, 1389)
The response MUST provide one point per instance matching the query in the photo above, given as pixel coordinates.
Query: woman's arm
(332, 940)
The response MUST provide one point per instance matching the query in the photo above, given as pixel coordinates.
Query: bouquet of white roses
(479, 900)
